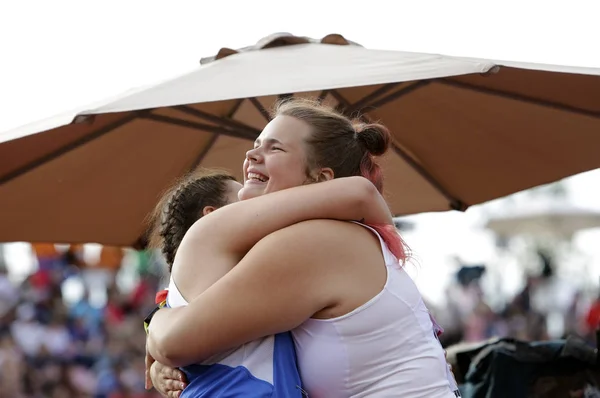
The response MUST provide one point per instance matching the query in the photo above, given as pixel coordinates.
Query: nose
(254, 155)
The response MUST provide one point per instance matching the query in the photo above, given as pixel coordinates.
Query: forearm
(159, 339)
(183, 337)
(245, 223)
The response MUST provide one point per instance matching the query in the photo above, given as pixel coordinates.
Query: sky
(60, 55)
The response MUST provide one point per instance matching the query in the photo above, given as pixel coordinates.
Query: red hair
(372, 171)
(393, 240)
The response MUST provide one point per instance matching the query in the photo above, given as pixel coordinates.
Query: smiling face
(278, 159)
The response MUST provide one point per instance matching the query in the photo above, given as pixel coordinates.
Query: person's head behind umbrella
(308, 142)
(188, 200)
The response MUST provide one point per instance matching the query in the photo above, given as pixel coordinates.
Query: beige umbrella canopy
(465, 131)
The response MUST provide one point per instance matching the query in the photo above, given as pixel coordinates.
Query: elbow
(163, 352)
(169, 350)
(365, 194)
(173, 346)
(174, 342)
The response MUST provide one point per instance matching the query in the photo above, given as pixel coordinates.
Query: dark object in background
(403, 225)
(512, 368)
(547, 264)
(468, 274)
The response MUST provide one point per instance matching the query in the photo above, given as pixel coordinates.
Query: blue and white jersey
(265, 368)
(262, 368)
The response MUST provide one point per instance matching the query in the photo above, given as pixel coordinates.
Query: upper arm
(245, 223)
(279, 284)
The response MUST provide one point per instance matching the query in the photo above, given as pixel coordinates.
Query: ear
(325, 174)
(208, 210)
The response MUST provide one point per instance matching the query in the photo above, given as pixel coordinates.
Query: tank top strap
(388, 256)
(174, 297)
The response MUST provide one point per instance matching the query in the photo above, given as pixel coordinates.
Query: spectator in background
(99, 277)
(592, 318)
(8, 293)
(12, 365)
(46, 254)
(111, 258)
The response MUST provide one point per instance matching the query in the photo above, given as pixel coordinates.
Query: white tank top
(387, 347)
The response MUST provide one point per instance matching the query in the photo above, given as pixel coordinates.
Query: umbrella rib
(455, 204)
(260, 108)
(231, 123)
(195, 125)
(322, 95)
(404, 90)
(235, 108)
(364, 101)
(343, 105)
(64, 149)
(521, 97)
(342, 101)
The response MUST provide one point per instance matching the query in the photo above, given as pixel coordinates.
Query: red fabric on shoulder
(161, 296)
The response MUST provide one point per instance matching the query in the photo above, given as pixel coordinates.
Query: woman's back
(385, 347)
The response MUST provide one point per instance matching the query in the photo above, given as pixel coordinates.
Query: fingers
(168, 381)
(174, 385)
(173, 394)
(172, 388)
(174, 374)
(148, 380)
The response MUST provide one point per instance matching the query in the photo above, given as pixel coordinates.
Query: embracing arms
(285, 279)
(245, 223)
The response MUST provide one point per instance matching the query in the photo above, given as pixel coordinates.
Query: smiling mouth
(255, 177)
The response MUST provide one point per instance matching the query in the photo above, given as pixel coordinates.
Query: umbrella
(465, 131)
(559, 219)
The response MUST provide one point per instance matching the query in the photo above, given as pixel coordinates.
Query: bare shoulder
(320, 241)
(334, 259)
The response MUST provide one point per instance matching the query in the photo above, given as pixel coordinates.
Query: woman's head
(308, 142)
(191, 198)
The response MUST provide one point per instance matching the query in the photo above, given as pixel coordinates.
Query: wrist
(150, 316)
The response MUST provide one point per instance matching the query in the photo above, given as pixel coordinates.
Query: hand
(450, 367)
(149, 361)
(449, 364)
(170, 382)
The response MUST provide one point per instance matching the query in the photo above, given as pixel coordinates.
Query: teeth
(256, 177)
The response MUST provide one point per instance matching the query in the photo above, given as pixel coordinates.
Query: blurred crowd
(92, 346)
(537, 312)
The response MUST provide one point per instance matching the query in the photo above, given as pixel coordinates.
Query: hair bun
(376, 138)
